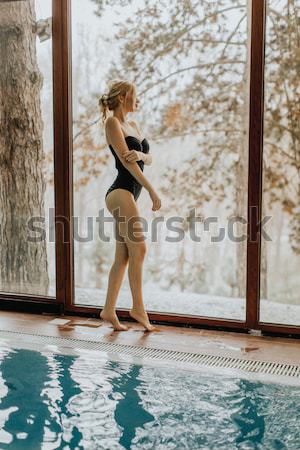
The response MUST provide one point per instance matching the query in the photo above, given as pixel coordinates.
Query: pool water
(56, 401)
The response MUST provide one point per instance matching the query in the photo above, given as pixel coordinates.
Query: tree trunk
(23, 263)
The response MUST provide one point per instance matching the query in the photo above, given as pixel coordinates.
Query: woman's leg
(115, 279)
(123, 206)
(137, 253)
(117, 270)
(132, 230)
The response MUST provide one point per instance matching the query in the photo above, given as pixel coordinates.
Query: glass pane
(193, 85)
(280, 281)
(26, 149)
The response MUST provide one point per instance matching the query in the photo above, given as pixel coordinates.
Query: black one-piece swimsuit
(124, 178)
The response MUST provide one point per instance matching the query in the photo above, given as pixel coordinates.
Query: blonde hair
(110, 100)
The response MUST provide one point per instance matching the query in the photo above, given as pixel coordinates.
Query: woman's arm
(117, 140)
(135, 155)
(145, 157)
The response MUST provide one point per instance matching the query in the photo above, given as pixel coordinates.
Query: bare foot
(142, 317)
(113, 319)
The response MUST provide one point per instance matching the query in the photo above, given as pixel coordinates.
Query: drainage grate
(262, 367)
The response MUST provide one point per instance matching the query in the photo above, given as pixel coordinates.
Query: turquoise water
(54, 401)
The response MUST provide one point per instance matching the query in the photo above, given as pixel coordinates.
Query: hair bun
(104, 99)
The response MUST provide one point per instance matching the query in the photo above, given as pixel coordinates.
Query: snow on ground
(186, 303)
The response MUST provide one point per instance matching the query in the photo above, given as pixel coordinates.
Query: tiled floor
(237, 345)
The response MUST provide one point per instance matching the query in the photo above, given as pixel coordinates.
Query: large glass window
(280, 253)
(27, 255)
(190, 64)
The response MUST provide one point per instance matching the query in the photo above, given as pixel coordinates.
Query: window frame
(63, 187)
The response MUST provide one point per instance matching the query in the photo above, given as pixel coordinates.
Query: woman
(130, 150)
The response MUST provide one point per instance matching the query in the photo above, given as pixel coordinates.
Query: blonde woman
(131, 152)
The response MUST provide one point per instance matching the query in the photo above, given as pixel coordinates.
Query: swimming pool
(85, 400)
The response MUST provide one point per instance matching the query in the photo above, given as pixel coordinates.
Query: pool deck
(221, 343)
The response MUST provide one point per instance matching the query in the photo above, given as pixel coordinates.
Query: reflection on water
(29, 417)
(248, 418)
(25, 415)
(126, 385)
(53, 401)
(60, 369)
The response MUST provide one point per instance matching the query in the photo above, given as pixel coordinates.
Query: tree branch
(197, 66)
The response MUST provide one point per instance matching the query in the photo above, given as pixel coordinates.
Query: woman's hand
(155, 199)
(133, 156)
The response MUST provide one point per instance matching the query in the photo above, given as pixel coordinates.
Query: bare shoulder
(112, 128)
(112, 123)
